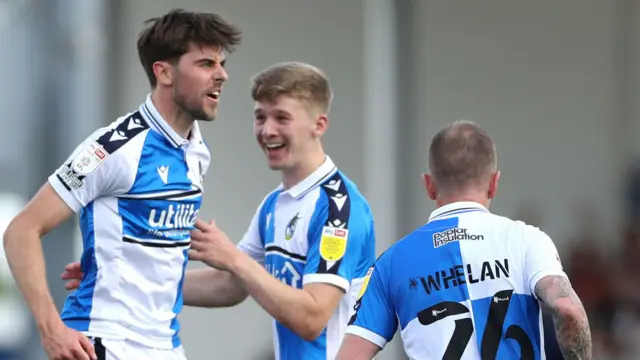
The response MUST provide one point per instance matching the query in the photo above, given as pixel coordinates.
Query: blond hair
(298, 80)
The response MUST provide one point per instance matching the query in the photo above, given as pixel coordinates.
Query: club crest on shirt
(291, 227)
(333, 243)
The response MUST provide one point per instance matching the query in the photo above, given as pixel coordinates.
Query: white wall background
(545, 78)
(541, 78)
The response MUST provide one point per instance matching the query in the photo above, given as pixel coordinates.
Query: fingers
(195, 256)
(88, 347)
(80, 354)
(70, 276)
(72, 285)
(197, 245)
(73, 266)
(201, 225)
(198, 235)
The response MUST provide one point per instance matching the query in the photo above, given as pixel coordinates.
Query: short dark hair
(461, 156)
(167, 38)
(298, 80)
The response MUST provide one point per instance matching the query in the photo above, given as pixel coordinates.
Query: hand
(212, 246)
(72, 272)
(63, 343)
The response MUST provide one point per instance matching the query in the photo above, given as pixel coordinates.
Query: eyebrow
(210, 60)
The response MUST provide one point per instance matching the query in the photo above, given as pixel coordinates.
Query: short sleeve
(542, 258)
(97, 167)
(252, 242)
(335, 253)
(374, 318)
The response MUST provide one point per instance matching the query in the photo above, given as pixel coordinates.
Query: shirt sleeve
(337, 239)
(374, 318)
(94, 169)
(252, 242)
(542, 257)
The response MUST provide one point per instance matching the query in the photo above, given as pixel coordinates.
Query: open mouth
(214, 95)
(274, 146)
(275, 149)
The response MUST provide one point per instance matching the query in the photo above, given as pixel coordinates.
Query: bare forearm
(26, 261)
(573, 334)
(212, 288)
(291, 307)
(569, 317)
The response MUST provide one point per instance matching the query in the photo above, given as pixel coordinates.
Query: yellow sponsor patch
(333, 243)
(365, 283)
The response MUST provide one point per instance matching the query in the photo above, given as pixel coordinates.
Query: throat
(294, 176)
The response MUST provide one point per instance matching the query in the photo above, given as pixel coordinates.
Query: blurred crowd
(608, 282)
(608, 286)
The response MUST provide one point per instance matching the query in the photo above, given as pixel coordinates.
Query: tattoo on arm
(569, 318)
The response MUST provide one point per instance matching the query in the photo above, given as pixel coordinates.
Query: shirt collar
(326, 170)
(456, 208)
(157, 123)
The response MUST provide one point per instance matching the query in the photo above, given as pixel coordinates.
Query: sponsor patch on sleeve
(333, 243)
(365, 283)
(69, 177)
(88, 159)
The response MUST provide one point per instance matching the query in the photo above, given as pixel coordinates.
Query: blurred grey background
(557, 84)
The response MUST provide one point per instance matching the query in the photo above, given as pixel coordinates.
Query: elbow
(573, 312)
(236, 299)
(16, 234)
(311, 329)
(310, 334)
(10, 234)
(570, 313)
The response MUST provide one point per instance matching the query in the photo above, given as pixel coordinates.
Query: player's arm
(374, 322)
(25, 256)
(553, 289)
(206, 287)
(305, 311)
(86, 175)
(569, 317)
(210, 288)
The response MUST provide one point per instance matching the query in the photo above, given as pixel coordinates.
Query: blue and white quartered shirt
(460, 287)
(319, 231)
(137, 186)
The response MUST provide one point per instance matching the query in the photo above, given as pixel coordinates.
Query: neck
(477, 198)
(178, 119)
(294, 176)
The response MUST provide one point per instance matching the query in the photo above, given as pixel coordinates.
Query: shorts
(111, 349)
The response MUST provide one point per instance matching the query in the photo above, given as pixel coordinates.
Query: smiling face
(288, 130)
(292, 100)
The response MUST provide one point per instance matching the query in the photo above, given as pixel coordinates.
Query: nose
(221, 75)
(269, 128)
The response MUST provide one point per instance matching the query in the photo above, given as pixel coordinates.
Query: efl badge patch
(88, 159)
(333, 243)
(365, 283)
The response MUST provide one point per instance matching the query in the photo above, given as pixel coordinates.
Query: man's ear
(430, 186)
(164, 73)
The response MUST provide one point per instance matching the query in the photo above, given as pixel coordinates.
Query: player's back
(462, 289)
(137, 188)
